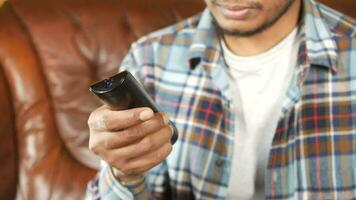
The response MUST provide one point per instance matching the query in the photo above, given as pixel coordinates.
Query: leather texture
(50, 52)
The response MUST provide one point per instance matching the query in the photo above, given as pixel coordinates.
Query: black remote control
(124, 91)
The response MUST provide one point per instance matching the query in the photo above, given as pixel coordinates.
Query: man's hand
(131, 141)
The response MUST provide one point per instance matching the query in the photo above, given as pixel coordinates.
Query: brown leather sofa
(50, 52)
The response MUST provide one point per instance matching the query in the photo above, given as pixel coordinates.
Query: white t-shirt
(259, 84)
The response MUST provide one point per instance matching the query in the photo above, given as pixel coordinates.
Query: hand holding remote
(129, 133)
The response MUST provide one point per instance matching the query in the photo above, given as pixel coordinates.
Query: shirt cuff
(108, 181)
(110, 187)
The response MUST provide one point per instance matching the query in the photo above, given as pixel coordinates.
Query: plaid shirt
(313, 154)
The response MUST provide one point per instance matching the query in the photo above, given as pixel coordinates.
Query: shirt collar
(205, 43)
(320, 46)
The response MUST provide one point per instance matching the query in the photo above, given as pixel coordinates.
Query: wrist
(126, 179)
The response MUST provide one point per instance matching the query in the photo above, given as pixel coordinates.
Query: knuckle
(133, 132)
(111, 160)
(166, 151)
(91, 121)
(158, 157)
(128, 135)
(137, 130)
(165, 134)
(164, 119)
(147, 143)
(168, 131)
(94, 146)
(132, 117)
(118, 167)
(120, 163)
(170, 148)
(94, 117)
(94, 149)
(157, 161)
(105, 121)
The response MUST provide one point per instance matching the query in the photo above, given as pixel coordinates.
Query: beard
(264, 26)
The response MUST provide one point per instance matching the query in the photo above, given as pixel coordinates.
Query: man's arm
(116, 180)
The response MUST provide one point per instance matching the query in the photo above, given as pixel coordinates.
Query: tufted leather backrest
(50, 52)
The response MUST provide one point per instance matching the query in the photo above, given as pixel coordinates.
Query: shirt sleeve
(105, 186)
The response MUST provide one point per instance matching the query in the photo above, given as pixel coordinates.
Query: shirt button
(219, 162)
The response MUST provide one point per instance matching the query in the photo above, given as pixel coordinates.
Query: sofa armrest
(8, 150)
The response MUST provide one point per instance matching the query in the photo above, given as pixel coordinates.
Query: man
(263, 93)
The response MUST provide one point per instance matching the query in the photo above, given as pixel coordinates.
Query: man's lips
(236, 12)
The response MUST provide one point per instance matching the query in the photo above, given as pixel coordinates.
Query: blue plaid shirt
(313, 154)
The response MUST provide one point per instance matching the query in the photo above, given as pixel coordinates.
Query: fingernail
(146, 114)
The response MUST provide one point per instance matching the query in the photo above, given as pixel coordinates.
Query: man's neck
(262, 42)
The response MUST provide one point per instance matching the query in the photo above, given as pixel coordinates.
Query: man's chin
(240, 31)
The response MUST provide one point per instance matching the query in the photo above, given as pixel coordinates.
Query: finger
(146, 162)
(100, 142)
(146, 145)
(104, 119)
(132, 134)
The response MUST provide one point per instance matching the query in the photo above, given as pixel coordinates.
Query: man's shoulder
(336, 35)
(184, 29)
(338, 23)
(157, 48)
